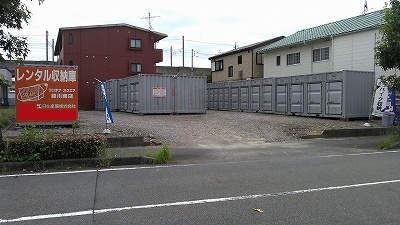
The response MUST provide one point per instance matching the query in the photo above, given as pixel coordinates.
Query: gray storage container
(162, 94)
(267, 95)
(343, 94)
(111, 94)
(190, 94)
(348, 94)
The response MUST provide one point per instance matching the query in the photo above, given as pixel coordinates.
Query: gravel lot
(213, 129)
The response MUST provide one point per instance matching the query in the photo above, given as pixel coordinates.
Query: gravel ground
(213, 129)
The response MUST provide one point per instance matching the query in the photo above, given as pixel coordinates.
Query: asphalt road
(345, 181)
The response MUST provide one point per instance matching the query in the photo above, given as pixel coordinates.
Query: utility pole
(191, 73)
(171, 55)
(149, 19)
(52, 48)
(47, 46)
(183, 54)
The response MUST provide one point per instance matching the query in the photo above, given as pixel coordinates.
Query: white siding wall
(356, 52)
(306, 66)
(349, 52)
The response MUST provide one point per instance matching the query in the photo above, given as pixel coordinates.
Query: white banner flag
(109, 118)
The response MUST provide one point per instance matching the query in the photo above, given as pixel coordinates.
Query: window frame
(136, 40)
(230, 71)
(293, 59)
(259, 59)
(136, 71)
(70, 38)
(322, 56)
(278, 60)
(219, 65)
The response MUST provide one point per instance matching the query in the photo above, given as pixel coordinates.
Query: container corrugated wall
(343, 94)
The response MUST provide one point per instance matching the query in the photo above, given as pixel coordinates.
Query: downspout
(333, 58)
(252, 63)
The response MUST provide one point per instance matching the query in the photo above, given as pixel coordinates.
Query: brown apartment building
(107, 52)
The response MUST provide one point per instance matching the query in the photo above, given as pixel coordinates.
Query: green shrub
(6, 115)
(387, 142)
(52, 147)
(162, 156)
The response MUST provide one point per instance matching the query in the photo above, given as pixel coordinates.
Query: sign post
(46, 95)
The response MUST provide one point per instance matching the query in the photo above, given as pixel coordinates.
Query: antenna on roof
(149, 19)
(365, 7)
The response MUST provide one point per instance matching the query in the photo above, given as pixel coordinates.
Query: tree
(13, 13)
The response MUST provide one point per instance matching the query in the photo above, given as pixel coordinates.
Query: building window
(293, 58)
(135, 43)
(278, 60)
(70, 38)
(239, 59)
(230, 71)
(259, 59)
(219, 65)
(136, 68)
(71, 63)
(321, 54)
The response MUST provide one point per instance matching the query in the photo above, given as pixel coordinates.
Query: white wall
(306, 66)
(347, 52)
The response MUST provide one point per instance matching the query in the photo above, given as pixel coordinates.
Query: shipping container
(343, 94)
(156, 94)
(111, 95)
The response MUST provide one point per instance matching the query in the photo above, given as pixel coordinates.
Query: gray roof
(248, 47)
(349, 25)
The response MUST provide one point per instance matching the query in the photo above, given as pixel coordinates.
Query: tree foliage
(387, 50)
(13, 14)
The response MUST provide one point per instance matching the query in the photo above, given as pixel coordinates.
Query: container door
(235, 98)
(244, 98)
(281, 98)
(221, 98)
(124, 97)
(215, 98)
(314, 96)
(296, 97)
(135, 97)
(226, 98)
(266, 104)
(255, 98)
(334, 93)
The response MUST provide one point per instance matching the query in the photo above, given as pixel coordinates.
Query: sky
(209, 27)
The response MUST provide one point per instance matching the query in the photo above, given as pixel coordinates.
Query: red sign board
(46, 94)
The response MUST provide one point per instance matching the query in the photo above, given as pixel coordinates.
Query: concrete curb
(361, 132)
(73, 163)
